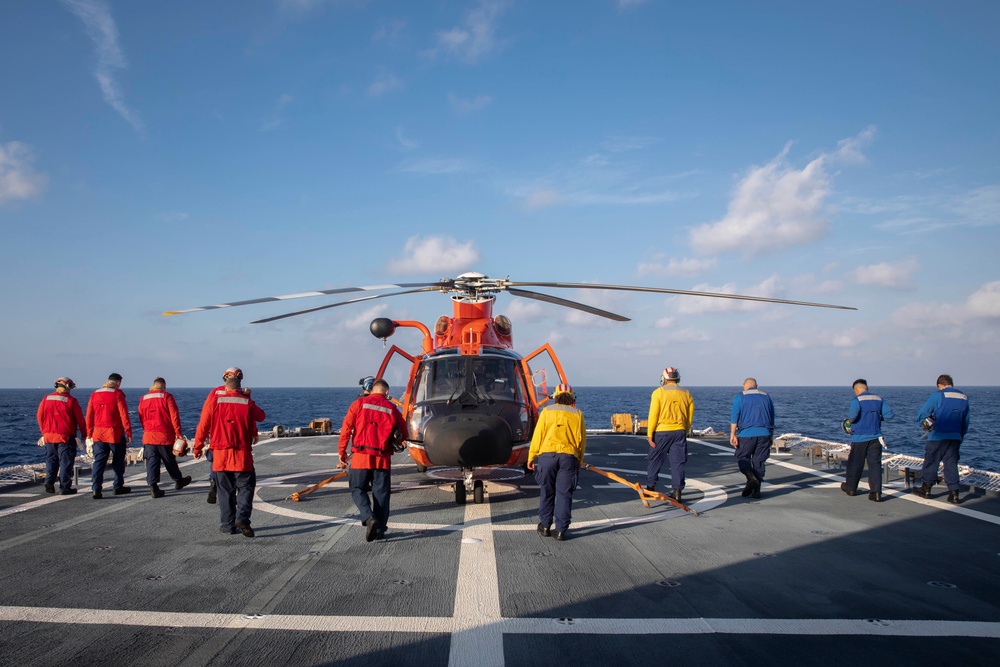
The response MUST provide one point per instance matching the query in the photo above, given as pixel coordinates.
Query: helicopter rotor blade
(440, 284)
(569, 304)
(343, 303)
(664, 290)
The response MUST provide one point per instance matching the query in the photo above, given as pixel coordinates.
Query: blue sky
(159, 156)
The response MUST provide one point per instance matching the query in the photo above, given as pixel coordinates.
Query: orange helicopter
(470, 400)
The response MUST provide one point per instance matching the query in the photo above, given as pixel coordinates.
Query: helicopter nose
(467, 440)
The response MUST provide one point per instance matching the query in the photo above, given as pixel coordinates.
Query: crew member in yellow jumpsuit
(557, 448)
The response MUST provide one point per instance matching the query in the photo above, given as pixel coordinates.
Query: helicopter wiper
(343, 303)
(569, 304)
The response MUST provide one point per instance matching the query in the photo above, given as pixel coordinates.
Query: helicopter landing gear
(421, 468)
(467, 484)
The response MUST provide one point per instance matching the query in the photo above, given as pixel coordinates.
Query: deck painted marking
(537, 626)
(476, 627)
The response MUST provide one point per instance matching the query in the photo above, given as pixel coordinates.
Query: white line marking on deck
(476, 630)
(536, 626)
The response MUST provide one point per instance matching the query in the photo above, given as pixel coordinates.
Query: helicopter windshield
(486, 378)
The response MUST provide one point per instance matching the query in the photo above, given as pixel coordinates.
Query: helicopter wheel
(477, 492)
(460, 493)
(421, 468)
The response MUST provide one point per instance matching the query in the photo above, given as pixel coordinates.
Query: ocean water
(811, 411)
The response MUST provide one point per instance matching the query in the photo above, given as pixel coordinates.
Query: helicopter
(470, 400)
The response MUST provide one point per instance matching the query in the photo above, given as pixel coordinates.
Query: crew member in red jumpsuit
(377, 427)
(161, 427)
(59, 418)
(229, 421)
(109, 427)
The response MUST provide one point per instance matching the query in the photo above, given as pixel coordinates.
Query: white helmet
(670, 373)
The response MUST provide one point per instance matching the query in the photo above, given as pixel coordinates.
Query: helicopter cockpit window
(495, 378)
(447, 379)
(440, 379)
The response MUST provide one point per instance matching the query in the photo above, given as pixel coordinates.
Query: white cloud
(17, 178)
(435, 254)
(389, 31)
(523, 311)
(896, 275)
(677, 267)
(985, 301)
(384, 83)
(776, 206)
(690, 305)
(464, 106)
(474, 38)
(101, 28)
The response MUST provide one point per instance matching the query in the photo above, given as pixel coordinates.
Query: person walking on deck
(865, 417)
(947, 412)
(751, 431)
(229, 422)
(60, 417)
(161, 427)
(110, 431)
(671, 413)
(557, 448)
(374, 430)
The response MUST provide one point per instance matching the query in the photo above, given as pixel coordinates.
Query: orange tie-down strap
(645, 495)
(309, 489)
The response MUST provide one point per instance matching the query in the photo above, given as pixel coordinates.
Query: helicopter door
(398, 369)
(543, 370)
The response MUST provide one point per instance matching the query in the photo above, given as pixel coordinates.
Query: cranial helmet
(367, 383)
(564, 389)
(232, 372)
(66, 383)
(670, 373)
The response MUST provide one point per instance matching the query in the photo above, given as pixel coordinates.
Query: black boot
(751, 483)
(953, 497)
(924, 491)
(544, 530)
(212, 491)
(155, 491)
(182, 482)
(676, 494)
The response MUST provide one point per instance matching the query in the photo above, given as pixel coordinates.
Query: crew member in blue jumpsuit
(948, 408)
(865, 416)
(751, 430)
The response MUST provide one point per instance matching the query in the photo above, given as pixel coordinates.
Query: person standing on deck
(229, 421)
(947, 410)
(161, 427)
(59, 418)
(671, 413)
(374, 430)
(865, 417)
(110, 430)
(213, 482)
(751, 431)
(558, 444)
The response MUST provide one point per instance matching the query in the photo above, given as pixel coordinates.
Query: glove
(90, 447)
(41, 441)
(846, 425)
